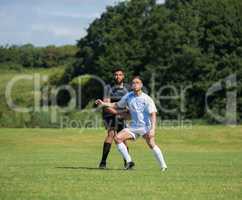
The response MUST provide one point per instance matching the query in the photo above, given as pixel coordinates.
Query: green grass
(204, 162)
(22, 94)
(23, 90)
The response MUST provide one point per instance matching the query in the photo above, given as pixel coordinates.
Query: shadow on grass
(90, 168)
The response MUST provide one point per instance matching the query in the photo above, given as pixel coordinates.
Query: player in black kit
(113, 119)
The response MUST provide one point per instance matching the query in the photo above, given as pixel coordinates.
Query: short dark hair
(118, 70)
(137, 77)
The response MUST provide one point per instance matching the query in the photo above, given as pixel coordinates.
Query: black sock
(106, 150)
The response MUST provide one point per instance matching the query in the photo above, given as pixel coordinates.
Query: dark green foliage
(179, 43)
(28, 56)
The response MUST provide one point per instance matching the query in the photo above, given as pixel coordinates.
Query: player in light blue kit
(143, 122)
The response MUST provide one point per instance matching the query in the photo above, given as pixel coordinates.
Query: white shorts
(138, 131)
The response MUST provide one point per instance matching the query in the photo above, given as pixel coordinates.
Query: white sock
(124, 151)
(159, 156)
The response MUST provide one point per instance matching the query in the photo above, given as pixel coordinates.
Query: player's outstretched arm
(99, 102)
(109, 109)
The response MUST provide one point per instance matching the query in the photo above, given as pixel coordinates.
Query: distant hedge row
(16, 57)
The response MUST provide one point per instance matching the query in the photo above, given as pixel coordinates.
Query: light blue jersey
(140, 108)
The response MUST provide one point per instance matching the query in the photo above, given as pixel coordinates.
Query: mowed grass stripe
(204, 162)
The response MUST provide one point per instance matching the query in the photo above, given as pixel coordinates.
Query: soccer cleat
(163, 169)
(129, 165)
(125, 163)
(102, 165)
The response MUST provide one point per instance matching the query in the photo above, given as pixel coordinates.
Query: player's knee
(118, 139)
(150, 137)
(110, 135)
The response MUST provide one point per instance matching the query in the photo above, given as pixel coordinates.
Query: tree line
(29, 56)
(179, 43)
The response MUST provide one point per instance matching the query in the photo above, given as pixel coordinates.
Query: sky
(48, 22)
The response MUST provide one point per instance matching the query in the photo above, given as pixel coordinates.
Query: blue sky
(46, 22)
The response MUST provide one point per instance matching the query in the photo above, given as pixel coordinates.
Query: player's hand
(99, 102)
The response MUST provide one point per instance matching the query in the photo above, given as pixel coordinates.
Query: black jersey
(115, 93)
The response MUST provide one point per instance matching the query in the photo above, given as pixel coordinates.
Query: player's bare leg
(150, 140)
(120, 138)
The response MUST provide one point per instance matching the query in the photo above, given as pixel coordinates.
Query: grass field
(204, 162)
(23, 90)
(22, 94)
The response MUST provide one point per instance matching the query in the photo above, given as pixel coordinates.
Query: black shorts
(114, 122)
